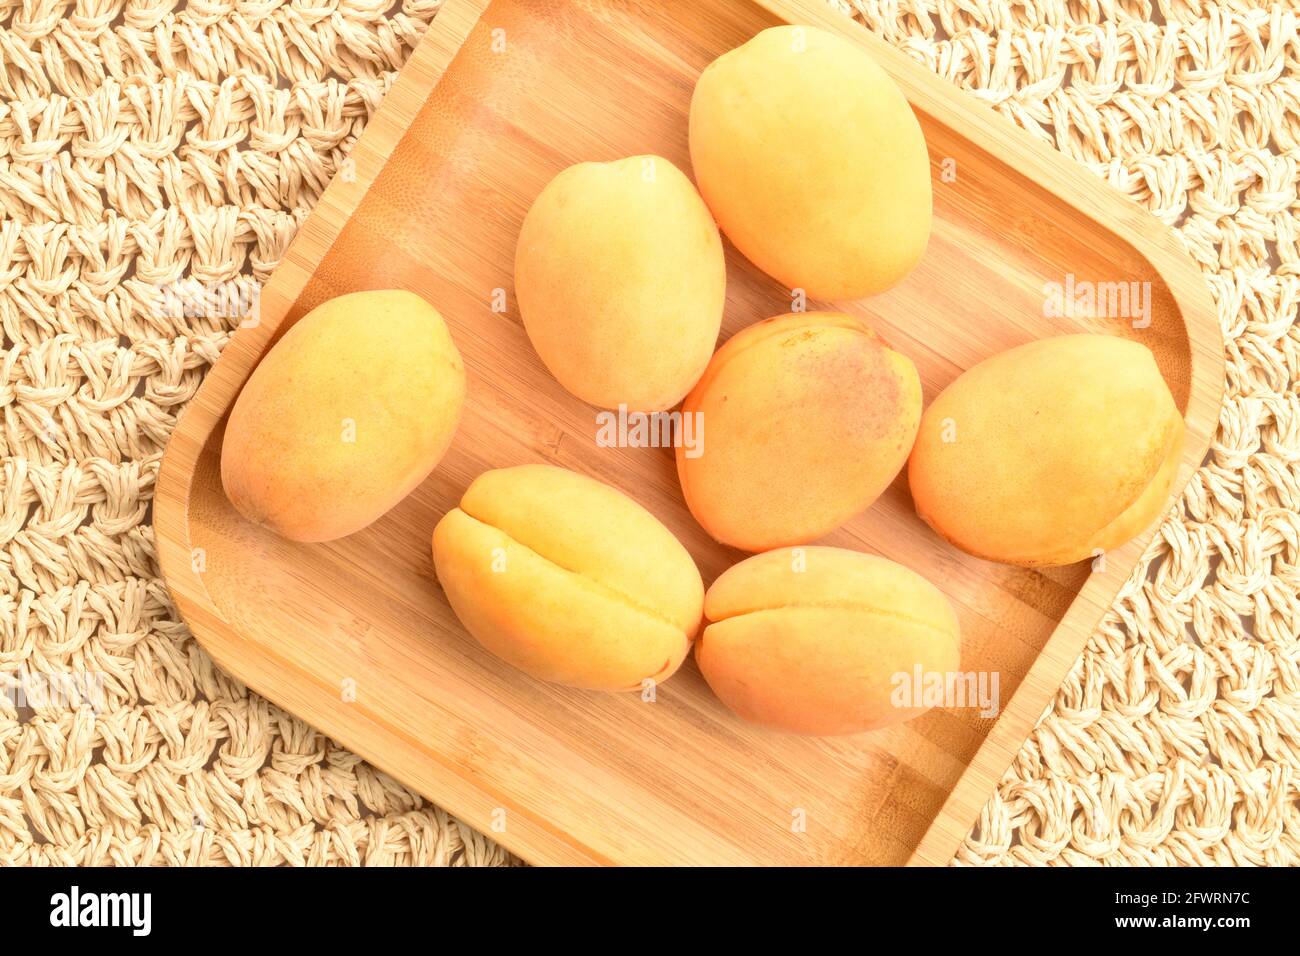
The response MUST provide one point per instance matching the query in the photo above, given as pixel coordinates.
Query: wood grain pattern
(499, 97)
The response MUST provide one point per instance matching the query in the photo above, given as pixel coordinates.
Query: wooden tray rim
(929, 95)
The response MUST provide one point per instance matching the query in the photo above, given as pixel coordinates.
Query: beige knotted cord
(149, 143)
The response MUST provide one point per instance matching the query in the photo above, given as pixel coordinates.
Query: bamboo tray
(355, 636)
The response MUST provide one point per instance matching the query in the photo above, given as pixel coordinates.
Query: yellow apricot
(804, 419)
(344, 416)
(820, 640)
(812, 162)
(621, 280)
(568, 579)
(1049, 453)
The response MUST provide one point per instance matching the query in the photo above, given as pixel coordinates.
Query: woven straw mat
(148, 141)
